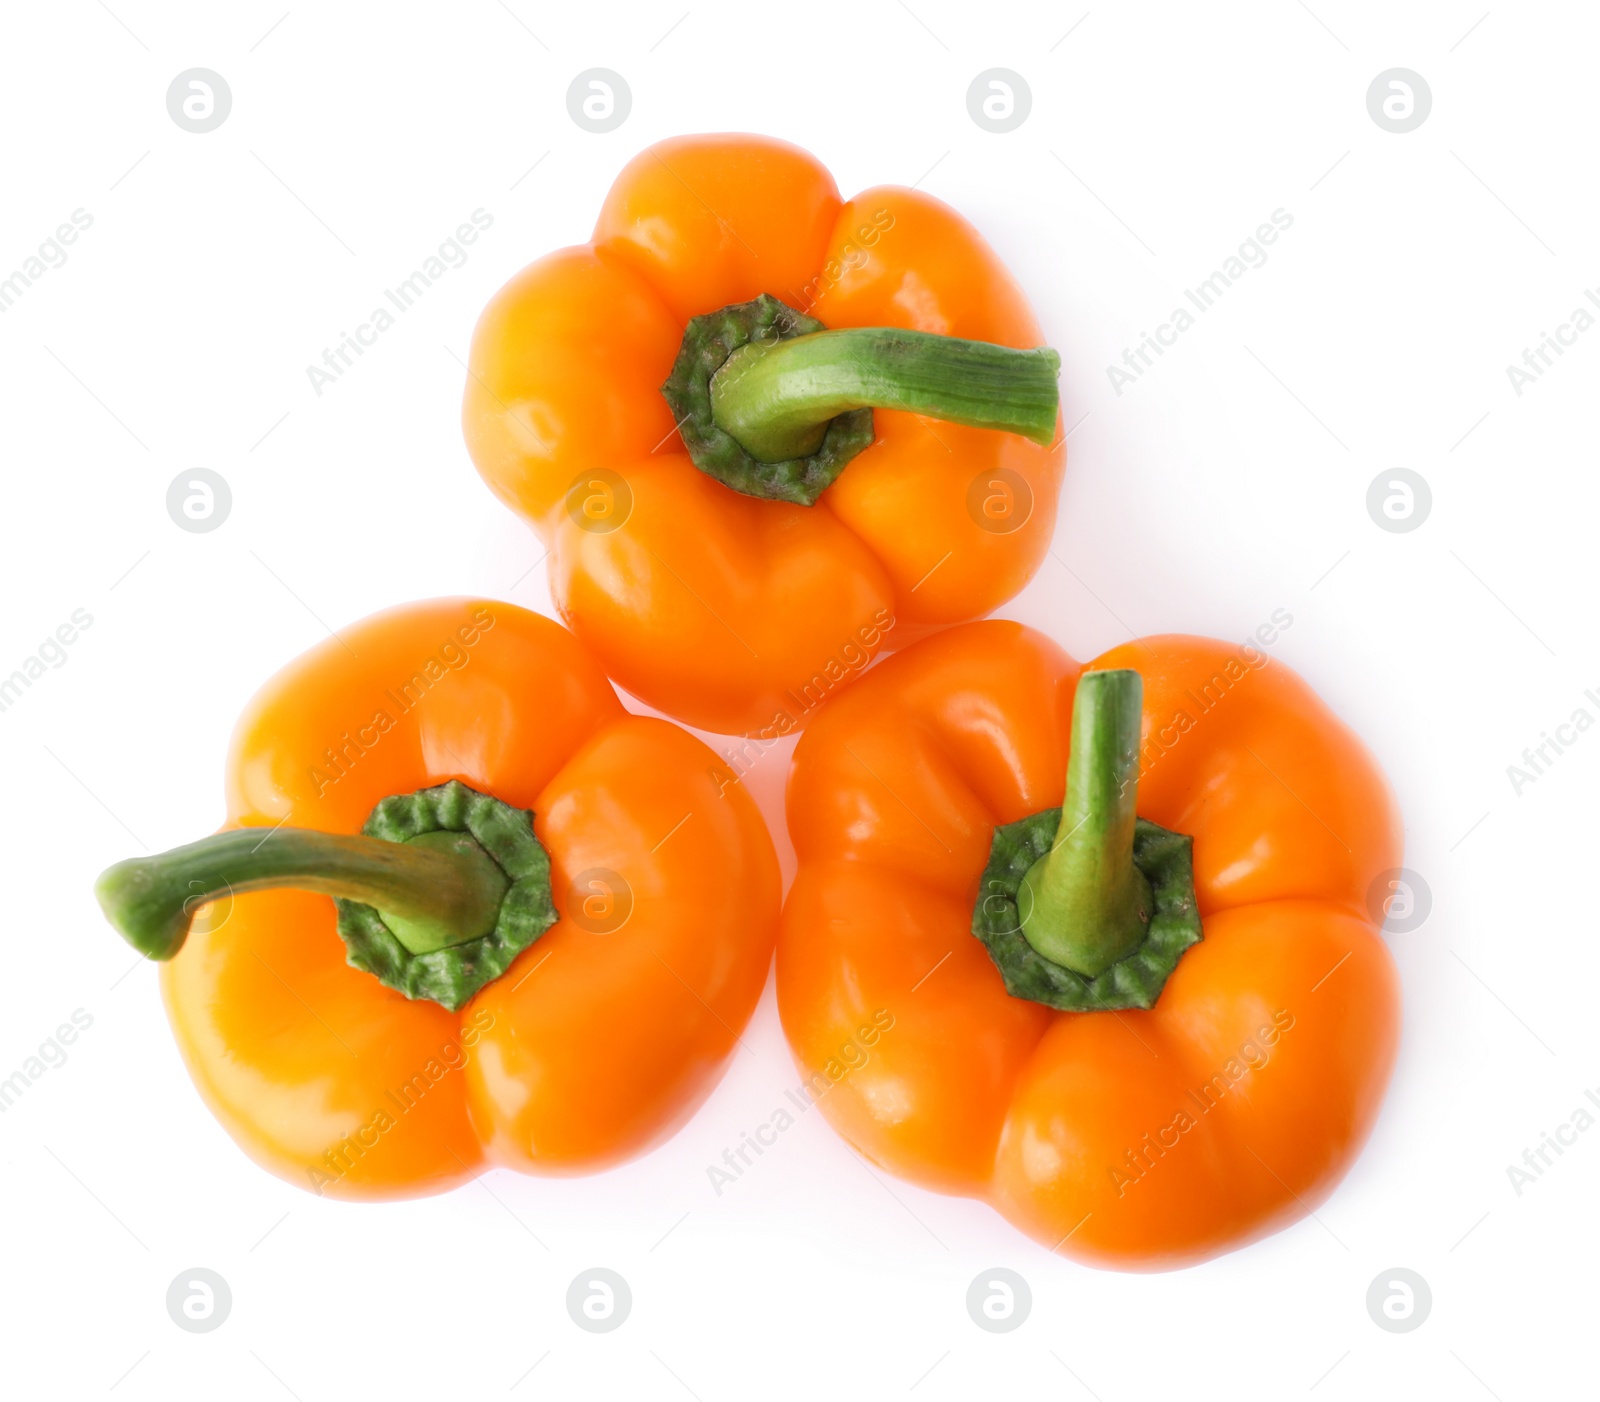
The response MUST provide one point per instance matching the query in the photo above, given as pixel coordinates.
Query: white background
(1228, 482)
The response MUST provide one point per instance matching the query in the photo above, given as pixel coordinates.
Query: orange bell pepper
(439, 1016)
(1197, 1041)
(847, 528)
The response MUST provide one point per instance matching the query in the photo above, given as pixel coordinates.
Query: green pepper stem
(1084, 904)
(439, 889)
(776, 397)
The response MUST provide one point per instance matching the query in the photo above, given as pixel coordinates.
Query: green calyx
(1089, 907)
(773, 404)
(451, 975)
(445, 887)
(708, 342)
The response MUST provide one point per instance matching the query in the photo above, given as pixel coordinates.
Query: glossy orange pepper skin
(1136, 1140)
(592, 1047)
(732, 613)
